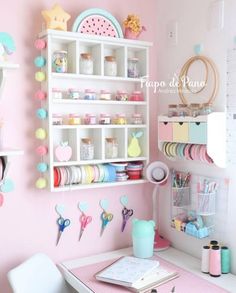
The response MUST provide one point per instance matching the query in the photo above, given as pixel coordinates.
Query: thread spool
(215, 261)
(225, 260)
(205, 259)
(213, 243)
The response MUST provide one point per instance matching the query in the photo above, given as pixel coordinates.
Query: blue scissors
(62, 223)
(106, 218)
(126, 214)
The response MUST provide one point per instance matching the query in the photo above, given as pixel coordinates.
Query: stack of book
(136, 274)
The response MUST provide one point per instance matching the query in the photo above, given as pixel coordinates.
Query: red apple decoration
(63, 152)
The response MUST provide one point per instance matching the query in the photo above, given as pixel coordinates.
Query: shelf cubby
(94, 49)
(120, 135)
(119, 53)
(142, 141)
(141, 55)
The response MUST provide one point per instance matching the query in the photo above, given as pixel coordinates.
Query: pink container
(136, 96)
(165, 131)
(90, 119)
(215, 261)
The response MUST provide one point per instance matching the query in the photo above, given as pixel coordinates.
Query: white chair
(38, 274)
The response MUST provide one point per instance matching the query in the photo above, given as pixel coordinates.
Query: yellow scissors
(106, 218)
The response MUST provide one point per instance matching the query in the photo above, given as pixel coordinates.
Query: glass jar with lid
(136, 96)
(57, 93)
(206, 109)
(105, 95)
(73, 94)
(172, 110)
(111, 148)
(182, 110)
(86, 149)
(90, 95)
(59, 61)
(122, 96)
(133, 67)
(105, 119)
(110, 66)
(86, 63)
(90, 119)
(120, 119)
(137, 118)
(194, 110)
(74, 119)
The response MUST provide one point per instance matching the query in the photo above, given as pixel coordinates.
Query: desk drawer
(198, 132)
(180, 131)
(165, 131)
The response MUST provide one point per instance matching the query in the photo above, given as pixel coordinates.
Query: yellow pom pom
(41, 183)
(40, 133)
(40, 76)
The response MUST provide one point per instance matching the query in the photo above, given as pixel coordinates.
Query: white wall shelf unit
(208, 131)
(99, 47)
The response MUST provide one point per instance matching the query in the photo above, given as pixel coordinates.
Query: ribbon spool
(208, 63)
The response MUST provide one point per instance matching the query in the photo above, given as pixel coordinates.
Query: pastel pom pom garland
(42, 167)
(40, 44)
(41, 183)
(40, 133)
(41, 113)
(40, 76)
(41, 150)
(39, 61)
(40, 95)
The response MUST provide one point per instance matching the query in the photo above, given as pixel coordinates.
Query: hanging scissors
(106, 218)
(84, 220)
(62, 223)
(126, 214)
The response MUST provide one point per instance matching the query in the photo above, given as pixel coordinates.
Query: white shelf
(8, 65)
(94, 77)
(10, 152)
(99, 102)
(200, 118)
(98, 185)
(93, 162)
(100, 126)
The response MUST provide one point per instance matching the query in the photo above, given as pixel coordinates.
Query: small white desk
(183, 260)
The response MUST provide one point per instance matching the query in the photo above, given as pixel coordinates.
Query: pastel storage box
(198, 132)
(165, 131)
(180, 131)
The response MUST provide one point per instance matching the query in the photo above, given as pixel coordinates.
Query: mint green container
(143, 238)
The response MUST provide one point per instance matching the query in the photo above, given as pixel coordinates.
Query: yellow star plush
(56, 18)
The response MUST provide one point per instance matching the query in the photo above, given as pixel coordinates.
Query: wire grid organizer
(207, 209)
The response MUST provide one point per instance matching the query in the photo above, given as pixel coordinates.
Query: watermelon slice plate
(98, 22)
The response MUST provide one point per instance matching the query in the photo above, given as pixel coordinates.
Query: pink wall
(27, 217)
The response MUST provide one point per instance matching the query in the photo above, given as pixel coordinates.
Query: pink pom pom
(41, 150)
(40, 44)
(40, 95)
(1, 199)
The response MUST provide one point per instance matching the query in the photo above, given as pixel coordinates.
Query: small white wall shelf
(99, 47)
(209, 130)
(10, 152)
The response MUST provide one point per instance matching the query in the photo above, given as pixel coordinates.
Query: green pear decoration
(134, 149)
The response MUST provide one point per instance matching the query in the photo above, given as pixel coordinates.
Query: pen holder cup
(143, 238)
(206, 203)
(181, 196)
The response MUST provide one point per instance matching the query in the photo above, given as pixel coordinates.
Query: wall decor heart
(83, 206)
(104, 203)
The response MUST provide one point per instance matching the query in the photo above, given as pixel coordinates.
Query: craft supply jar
(110, 66)
(57, 93)
(90, 95)
(74, 119)
(182, 110)
(206, 109)
(57, 119)
(194, 110)
(172, 110)
(73, 94)
(105, 95)
(122, 96)
(111, 148)
(136, 96)
(120, 119)
(86, 64)
(59, 61)
(105, 119)
(133, 67)
(90, 119)
(137, 118)
(86, 149)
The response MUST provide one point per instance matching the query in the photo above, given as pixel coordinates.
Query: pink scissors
(84, 220)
